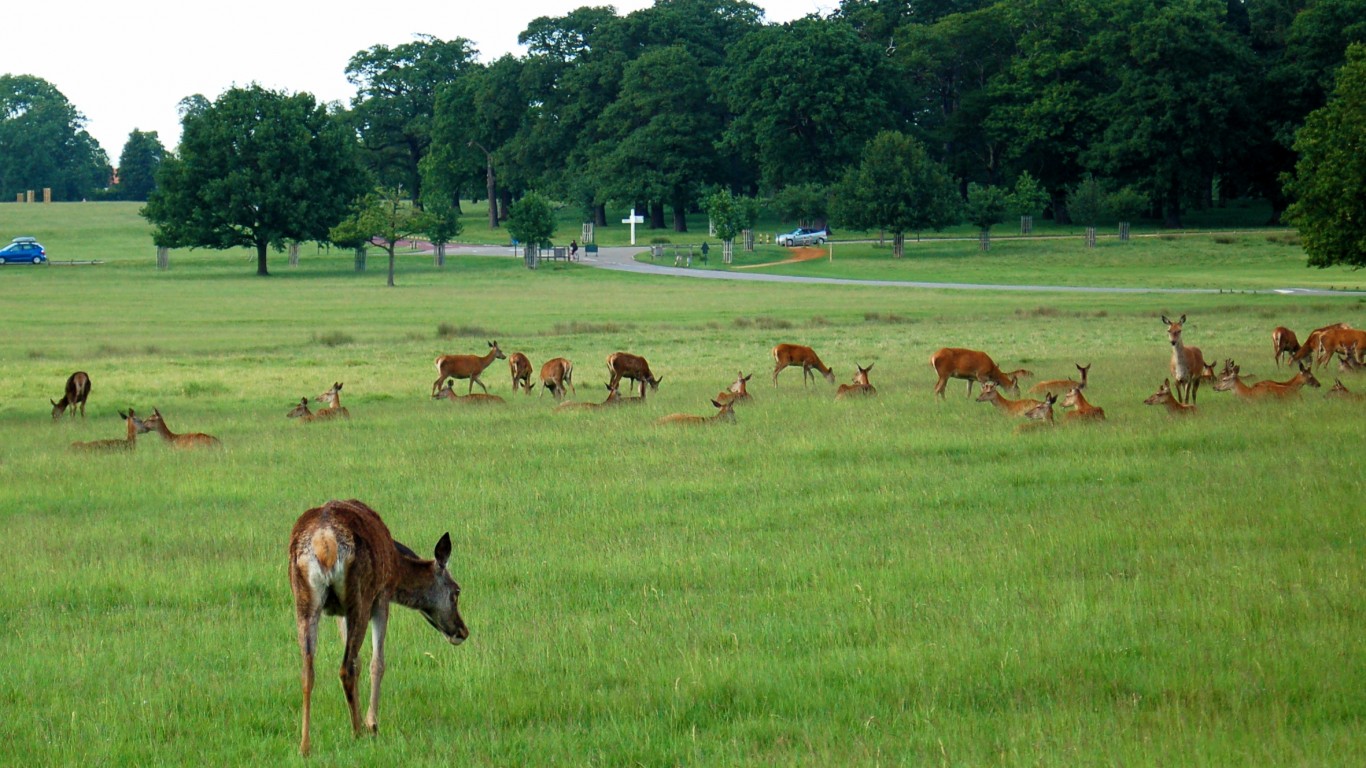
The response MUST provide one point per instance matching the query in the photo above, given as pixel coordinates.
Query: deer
(738, 391)
(333, 408)
(974, 366)
(129, 443)
(1349, 360)
(725, 413)
(795, 354)
(1341, 392)
(520, 365)
(465, 367)
(76, 392)
(991, 394)
(613, 397)
(300, 411)
(1267, 389)
(1164, 397)
(555, 374)
(860, 386)
(1187, 364)
(624, 365)
(1283, 342)
(156, 423)
(1340, 341)
(1040, 415)
(1081, 409)
(343, 562)
(447, 393)
(1061, 386)
(1311, 342)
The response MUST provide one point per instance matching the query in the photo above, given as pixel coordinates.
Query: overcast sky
(126, 65)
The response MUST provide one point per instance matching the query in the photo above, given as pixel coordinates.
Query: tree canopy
(44, 144)
(896, 187)
(142, 155)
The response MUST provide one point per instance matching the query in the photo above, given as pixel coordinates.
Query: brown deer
(1284, 342)
(555, 374)
(795, 354)
(1040, 415)
(1267, 389)
(333, 408)
(343, 562)
(1081, 409)
(860, 386)
(738, 391)
(624, 365)
(613, 398)
(447, 393)
(520, 365)
(300, 411)
(465, 367)
(75, 393)
(1342, 392)
(1349, 359)
(1061, 386)
(726, 413)
(129, 443)
(1187, 364)
(155, 423)
(991, 394)
(973, 366)
(1311, 342)
(1340, 341)
(1164, 397)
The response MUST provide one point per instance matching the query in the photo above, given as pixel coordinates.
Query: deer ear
(443, 549)
(1183, 319)
(54, 402)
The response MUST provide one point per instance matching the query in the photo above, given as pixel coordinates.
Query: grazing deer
(613, 397)
(1311, 342)
(465, 367)
(1340, 341)
(726, 413)
(447, 393)
(155, 423)
(1082, 410)
(1061, 386)
(738, 391)
(624, 365)
(1267, 389)
(1283, 342)
(520, 365)
(300, 411)
(1341, 392)
(860, 387)
(958, 363)
(795, 354)
(555, 374)
(1187, 364)
(343, 562)
(134, 424)
(1164, 397)
(75, 393)
(333, 408)
(991, 394)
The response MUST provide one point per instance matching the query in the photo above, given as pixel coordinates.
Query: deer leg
(308, 644)
(436, 387)
(379, 622)
(355, 635)
(806, 371)
(776, 368)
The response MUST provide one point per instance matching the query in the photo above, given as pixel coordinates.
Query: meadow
(896, 581)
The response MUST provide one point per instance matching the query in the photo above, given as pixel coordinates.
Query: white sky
(126, 65)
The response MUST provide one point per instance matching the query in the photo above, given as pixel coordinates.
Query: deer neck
(1180, 365)
(163, 430)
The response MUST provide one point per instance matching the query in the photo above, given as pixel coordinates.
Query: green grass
(898, 581)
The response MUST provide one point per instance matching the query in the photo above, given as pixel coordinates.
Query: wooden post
(28, 196)
(163, 257)
(47, 194)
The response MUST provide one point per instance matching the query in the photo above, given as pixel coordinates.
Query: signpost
(633, 219)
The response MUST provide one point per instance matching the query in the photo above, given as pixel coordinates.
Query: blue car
(23, 250)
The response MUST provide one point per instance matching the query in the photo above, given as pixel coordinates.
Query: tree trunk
(680, 219)
(656, 215)
(600, 215)
(504, 203)
(898, 244)
(261, 270)
(491, 189)
(390, 248)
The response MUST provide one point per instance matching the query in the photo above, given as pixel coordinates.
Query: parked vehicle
(803, 236)
(23, 249)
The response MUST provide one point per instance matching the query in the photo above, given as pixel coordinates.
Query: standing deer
(129, 443)
(1164, 397)
(333, 408)
(155, 423)
(1082, 410)
(465, 367)
(860, 387)
(738, 391)
(520, 365)
(1188, 364)
(795, 354)
(1021, 407)
(75, 393)
(447, 393)
(555, 374)
(973, 366)
(624, 365)
(343, 562)
(1344, 341)
(1283, 342)
(1061, 386)
(613, 397)
(726, 413)
(1311, 342)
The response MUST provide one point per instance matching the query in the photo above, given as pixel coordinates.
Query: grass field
(898, 581)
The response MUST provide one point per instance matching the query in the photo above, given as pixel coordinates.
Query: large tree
(896, 187)
(44, 144)
(142, 155)
(256, 168)
(1329, 185)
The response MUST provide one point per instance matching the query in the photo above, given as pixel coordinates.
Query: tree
(382, 217)
(730, 215)
(142, 155)
(256, 168)
(531, 220)
(1028, 197)
(808, 204)
(986, 207)
(896, 187)
(1329, 184)
(44, 144)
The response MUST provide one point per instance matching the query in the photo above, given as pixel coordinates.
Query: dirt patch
(798, 254)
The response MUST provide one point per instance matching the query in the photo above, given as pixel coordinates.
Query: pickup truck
(803, 236)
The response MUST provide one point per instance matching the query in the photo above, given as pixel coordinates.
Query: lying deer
(1341, 392)
(1081, 410)
(1021, 407)
(447, 393)
(343, 562)
(726, 413)
(333, 408)
(738, 391)
(1164, 397)
(1266, 389)
(1040, 415)
(75, 393)
(155, 423)
(1061, 386)
(129, 443)
(613, 397)
(860, 386)
(301, 411)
